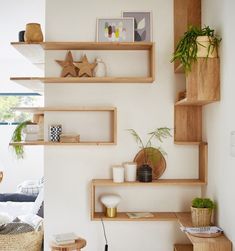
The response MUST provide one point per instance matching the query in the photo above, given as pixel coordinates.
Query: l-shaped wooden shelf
(35, 52)
(43, 110)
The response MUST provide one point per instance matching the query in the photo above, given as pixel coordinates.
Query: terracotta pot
(201, 217)
(33, 33)
(203, 43)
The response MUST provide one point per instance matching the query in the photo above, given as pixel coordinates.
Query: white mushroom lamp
(111, 202)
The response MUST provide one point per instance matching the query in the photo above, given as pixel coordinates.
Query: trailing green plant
(17, 137)
(203, 203)
(148, 148)
(187, 47)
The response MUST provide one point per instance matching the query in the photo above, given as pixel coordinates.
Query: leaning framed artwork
(115, 29)
(142, 24)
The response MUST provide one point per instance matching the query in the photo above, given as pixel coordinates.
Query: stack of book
(65, 239)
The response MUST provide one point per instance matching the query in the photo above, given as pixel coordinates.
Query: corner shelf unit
(43, 110)
(220, 243)
(35, 52)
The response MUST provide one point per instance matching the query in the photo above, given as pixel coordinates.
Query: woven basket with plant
(201, 211)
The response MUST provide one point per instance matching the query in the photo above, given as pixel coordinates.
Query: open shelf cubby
(35, 52)
(112, 113)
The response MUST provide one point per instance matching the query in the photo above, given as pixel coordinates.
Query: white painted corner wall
(144, 107)
(219, 118)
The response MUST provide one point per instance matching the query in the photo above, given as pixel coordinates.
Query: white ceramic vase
(100, 69)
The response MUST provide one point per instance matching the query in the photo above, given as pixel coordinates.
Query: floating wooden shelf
(122, 216)
(185, 102)
(42, 110)
(35, 51)
(29, 82)
(49, 143)
(159, 182)
(187, 143)
(204, 244)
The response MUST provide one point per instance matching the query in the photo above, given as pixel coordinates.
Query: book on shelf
(137, 215)
(65, 238)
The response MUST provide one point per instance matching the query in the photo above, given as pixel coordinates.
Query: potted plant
(196, 42)
(201, 211)
(17, 137)
(144, 173)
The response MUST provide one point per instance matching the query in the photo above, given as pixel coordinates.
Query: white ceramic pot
(100, 69)
(130, 171)
(118, 174)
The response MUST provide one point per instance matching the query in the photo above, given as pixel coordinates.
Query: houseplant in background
(150, 161)
(17, 137)
(201, 211)
(196, 42)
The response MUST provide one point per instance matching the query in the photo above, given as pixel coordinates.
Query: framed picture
(115, 29)
(142, 24)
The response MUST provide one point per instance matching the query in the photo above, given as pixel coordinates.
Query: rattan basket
(201, 217)
(30, 241)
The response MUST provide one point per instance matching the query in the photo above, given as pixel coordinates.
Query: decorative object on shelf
(139, 215)
(111, 202)
(100, 69)
(85, 68)
(130, 171)
(201, 211)
(31, 132)
(21, 36)
(181, 95)
(17, 137)
(33, 33)
(115, 29)
(142, 24)
(118, 173)
(1, 176)
(144, 173)
(55, 132)
(149, 155)
(156, 161)
(203, 232)
(196, 42)
(69, 138)
(68, 68)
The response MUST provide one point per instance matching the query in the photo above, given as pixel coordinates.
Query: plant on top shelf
(196, 42)
(151, 155)
(201, 211)
(17, 137)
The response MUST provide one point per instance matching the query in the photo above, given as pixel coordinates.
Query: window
(9, 100)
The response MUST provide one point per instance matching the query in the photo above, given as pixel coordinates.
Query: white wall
(219, 119)
(13, 17)
(144, 107)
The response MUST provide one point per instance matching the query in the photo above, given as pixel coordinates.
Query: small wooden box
(69, 138)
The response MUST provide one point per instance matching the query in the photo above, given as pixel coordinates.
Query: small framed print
(115, 29)
(142, 24)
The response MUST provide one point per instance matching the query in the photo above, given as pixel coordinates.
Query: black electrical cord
(105, 237)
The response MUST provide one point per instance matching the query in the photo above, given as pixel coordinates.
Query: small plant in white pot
(201, 211)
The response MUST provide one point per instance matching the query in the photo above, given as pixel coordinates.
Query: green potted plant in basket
(201, 211)
(196, 42)
(150, 156)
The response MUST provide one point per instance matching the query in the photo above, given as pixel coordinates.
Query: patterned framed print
(115, 29)
(142, 24)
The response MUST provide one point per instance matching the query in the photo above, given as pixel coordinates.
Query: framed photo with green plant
(142, 24)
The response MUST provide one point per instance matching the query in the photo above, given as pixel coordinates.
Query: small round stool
(79, 243)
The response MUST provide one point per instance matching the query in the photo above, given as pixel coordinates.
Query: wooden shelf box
(188, 124)
(44, 110)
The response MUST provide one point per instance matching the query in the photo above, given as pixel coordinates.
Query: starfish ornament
(85, 68)
(68, 69)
